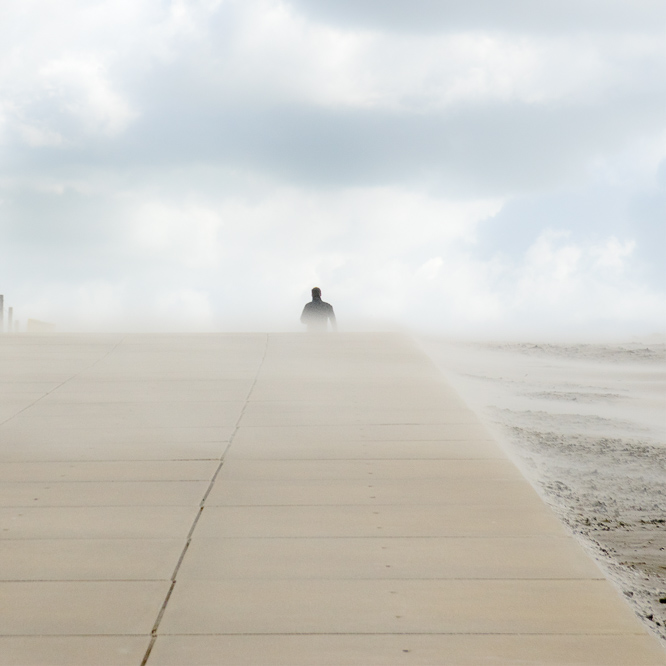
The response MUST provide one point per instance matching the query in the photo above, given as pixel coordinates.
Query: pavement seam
(69, 379)
(160, 615)
(345, 633)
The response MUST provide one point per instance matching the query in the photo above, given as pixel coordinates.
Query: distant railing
(12, 325)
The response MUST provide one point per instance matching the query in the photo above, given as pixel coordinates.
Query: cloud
(184, 236)
(430, 269)
(185, 309)
(257, 85)
(455, 165)
(80, 88)
(426, 16)
(613, 253)
(64, 68)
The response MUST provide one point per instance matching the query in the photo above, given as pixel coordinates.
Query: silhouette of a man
(317, 314)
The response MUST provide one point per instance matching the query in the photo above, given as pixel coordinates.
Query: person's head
(316, 292)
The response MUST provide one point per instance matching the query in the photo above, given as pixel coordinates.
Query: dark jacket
(317, 313)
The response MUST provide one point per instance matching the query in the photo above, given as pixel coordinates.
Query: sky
(482, 168)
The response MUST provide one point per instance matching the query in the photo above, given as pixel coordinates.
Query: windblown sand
(587, 425)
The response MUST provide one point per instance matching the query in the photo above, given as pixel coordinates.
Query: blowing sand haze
(587, 424)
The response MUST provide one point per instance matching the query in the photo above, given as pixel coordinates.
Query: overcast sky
(488, 166)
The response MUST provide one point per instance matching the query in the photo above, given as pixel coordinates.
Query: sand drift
(587, 425)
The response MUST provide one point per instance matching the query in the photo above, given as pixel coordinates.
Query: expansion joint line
(202, 504)
(69, 379)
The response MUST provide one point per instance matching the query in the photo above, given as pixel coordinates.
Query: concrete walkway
(282, 499)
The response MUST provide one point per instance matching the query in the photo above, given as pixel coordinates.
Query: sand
(586, 423)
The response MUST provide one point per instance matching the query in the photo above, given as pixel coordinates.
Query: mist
(200, 166)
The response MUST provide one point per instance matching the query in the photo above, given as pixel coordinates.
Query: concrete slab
(382, 557)
(369, 470)
(378, 520)
(406, 650)
(80, 608)
(364, 450)
(89, 559)
(373, 432)
(10, 408)
(28, 433)
(405, 394)
(276, 414)
(111, 470)
(150, 391)
(396, 607)
(72, 650)
(46, 450)
(102, 493)
(253, 492)
(18, 387)
(97, 522)
(166, 413)
(175, 369)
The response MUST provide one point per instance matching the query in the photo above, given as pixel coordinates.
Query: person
(317, 314)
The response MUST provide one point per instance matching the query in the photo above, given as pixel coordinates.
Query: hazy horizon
(451, 169)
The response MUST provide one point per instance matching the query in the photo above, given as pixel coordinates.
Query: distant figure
(316, 314)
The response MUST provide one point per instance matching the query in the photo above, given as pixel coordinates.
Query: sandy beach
(586, 424)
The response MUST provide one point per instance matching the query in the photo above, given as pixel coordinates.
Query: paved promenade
(282, 499)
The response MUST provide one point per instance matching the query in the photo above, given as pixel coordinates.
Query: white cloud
(266, 49)
(277, 53)
(181, 235)
(613, 253)
(36, 136)
(186, 309)
(81, 88)
(430, 269)
(547, 262)
(89, 305)
(217, 158)
(73, 58)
